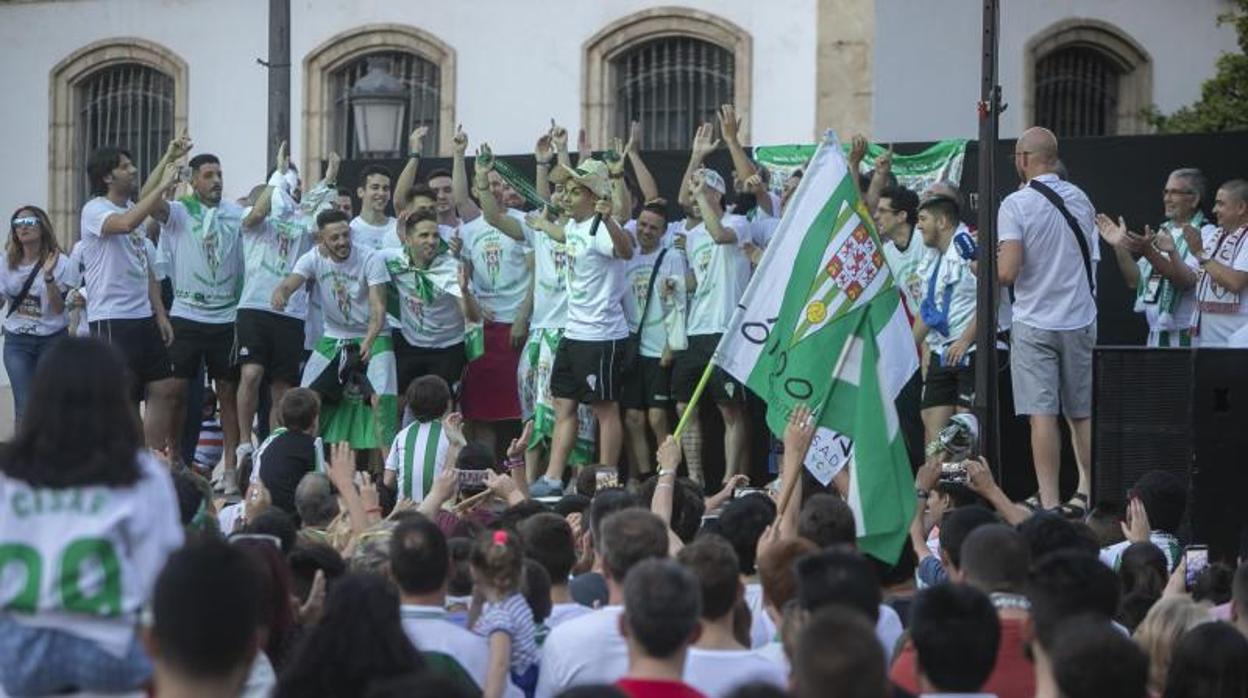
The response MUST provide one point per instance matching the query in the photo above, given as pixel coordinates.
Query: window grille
(129, 106)
(671, 85)
(1077, 92)
(423, 80)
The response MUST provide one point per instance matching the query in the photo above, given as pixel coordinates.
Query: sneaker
(229, 483)
(243, 451)
(546, 487)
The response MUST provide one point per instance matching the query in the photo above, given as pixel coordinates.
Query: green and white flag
(836, 338)
(941, 161)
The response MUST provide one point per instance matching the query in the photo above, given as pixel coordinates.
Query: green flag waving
(837, 338)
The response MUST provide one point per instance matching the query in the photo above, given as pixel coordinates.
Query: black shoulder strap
(21, 295)
(654, 276)
(1056, 200)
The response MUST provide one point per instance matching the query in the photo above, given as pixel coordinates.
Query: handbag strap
(654, 275)
(22, 294)
(1056, 200)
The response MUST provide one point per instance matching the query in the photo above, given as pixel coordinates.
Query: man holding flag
(838, 309)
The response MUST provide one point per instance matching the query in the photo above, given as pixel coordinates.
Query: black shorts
(412, 362)
(141, 347)
(646, 385)
(271, 340)
(948, 386)
(687, 370)
(212, 343)
(589, 371)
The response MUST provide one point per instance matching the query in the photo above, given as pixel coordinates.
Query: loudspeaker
(1220, 427)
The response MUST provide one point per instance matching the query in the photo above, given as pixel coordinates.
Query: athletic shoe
(546, 487)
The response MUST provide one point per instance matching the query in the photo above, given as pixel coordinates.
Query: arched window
(1087, 78)
(423, 63)
(124, 92)
(670, 69)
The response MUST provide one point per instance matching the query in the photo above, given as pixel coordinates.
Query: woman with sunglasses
(33, 281)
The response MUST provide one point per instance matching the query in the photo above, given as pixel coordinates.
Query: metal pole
(279, 79)
(987, 403)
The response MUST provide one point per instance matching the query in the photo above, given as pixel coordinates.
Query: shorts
(949, 386)
(272, 341)
(1052, 370)
(646, 385)
(141, 347)
(212, 343)
(688, 366)
(412, 362)
(589, 371)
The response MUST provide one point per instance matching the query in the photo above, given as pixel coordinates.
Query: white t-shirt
(561, 613)
(107, 544)
(888, 630)
(1051, 291)
(595, 284)
(722, 273)
(34, 316)
(1221, 312)
(762, 630)
(550, 293)
(716, 673)
(584, 650)
(428, 628)
(637, 280)
(500, 277)
(202, 246)
(375, 237)
(428, 446)
(954, 274)
(342, 288)
(271, 248)
(115, 266)
(427, 299)
(905, 265)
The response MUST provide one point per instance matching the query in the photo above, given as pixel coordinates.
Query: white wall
(927, 57)
(519, 63)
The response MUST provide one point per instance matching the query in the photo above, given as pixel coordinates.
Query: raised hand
(179, 147)
(416, 140)
(582, 145)
(49, 263)
(729, 123)
(342, 465)
(558, 137)
(857, 151)
(1136, 528)
(544, 150)
(704, 142)
(884, 163)
(800, 430)
(755, 184)
(460, 140)
(331, 169)
(169, 176)
(633, 146)
(283, 157)
(614, 157)
(257, 501)
(485, 158)
(444, 486)
(520, 444)
(603, 207)
(979, 475)
(453, 425)
(669, 454)
(1195, 242)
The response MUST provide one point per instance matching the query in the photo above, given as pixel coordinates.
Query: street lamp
(379, 102)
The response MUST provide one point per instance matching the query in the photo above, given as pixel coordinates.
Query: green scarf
(522, 186)
(1168, 296)
(426, 281)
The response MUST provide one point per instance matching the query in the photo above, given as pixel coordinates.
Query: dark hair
(571, 504)
(423, 191)
(548, 541)
(200, 639)
(1066, 584)
(299, 408)
(604, 504)
(1164, 497)
(1047, 532)
(714, 564)
(359, 639)
(956, 525)
(474, 456)
(1092, 659)
(203, 159)
(838, 647)
(662, 604)
(658, 209)
(629, 537)
(307, 559)
(435, 174)
(101, 164)
(79, 428)
(995, 558)
(1239, 590)
(1210, 661)
(512, 516)
(826, 520)
(410, 219)
(1105, 520)
(535, 588)
(428, 397)
(1142, 572)
(425, 684)
(956, 634)
(687, 506)
(1214, 584)
(191, 497)
(904, 201)
(374, 169)
(498, 559)
(756, 689)
(277, 523)
(459, 581)
(276, 588)
(419, 556)
(942, 207)
(777, 572)
(958, 493)
(838, 576)
(47, 239)
(593, 691)
(346, 192)
(330, 216)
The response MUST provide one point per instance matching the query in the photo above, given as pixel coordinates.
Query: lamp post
(379, 103)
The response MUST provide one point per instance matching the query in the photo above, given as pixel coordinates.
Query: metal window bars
(671, 85)
(1077, 92)
(129, 106)
(423, 80)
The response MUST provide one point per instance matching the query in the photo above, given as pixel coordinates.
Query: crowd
(388, 543)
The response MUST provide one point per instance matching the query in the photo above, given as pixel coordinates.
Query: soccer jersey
(722, 272)
(375, 237)
(500, 277)
(426, 301)
(202, 246)
(595, 284)
(342, 288)
(550, 292)
(83, 560)
(115, 267)
(416, 457)
(906, 266)
(952, 290)
(271, 248)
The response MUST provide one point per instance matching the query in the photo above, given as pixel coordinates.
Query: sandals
(1075, 508)
(1032, 503)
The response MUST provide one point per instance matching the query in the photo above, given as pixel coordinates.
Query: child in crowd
(292, 450)
(506, 620)
(211, 443)
(419, 449)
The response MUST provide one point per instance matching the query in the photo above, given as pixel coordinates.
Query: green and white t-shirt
(595, 284)
(271, 248)
(426, 301)
(905, 266)
(417, 455)
(84, 560)
(637, 281)
(375, 237)
(203, 247)
(550, 292)
(722, 273)
(955, 275)
(342, 288)
(115, 267)
(500, 277)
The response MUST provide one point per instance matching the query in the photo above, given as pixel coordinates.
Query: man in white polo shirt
(1048, 253)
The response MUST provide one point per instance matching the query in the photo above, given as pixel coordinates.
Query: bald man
(1048, 253)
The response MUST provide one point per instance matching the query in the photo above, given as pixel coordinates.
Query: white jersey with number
(550, 290)
(342, 288)
(722, 272)
(595, 284)
(84, 560)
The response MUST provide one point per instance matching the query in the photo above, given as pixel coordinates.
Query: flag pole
(987, 399)
(692, 407)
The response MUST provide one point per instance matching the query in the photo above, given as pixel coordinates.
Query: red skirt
(489, 392)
